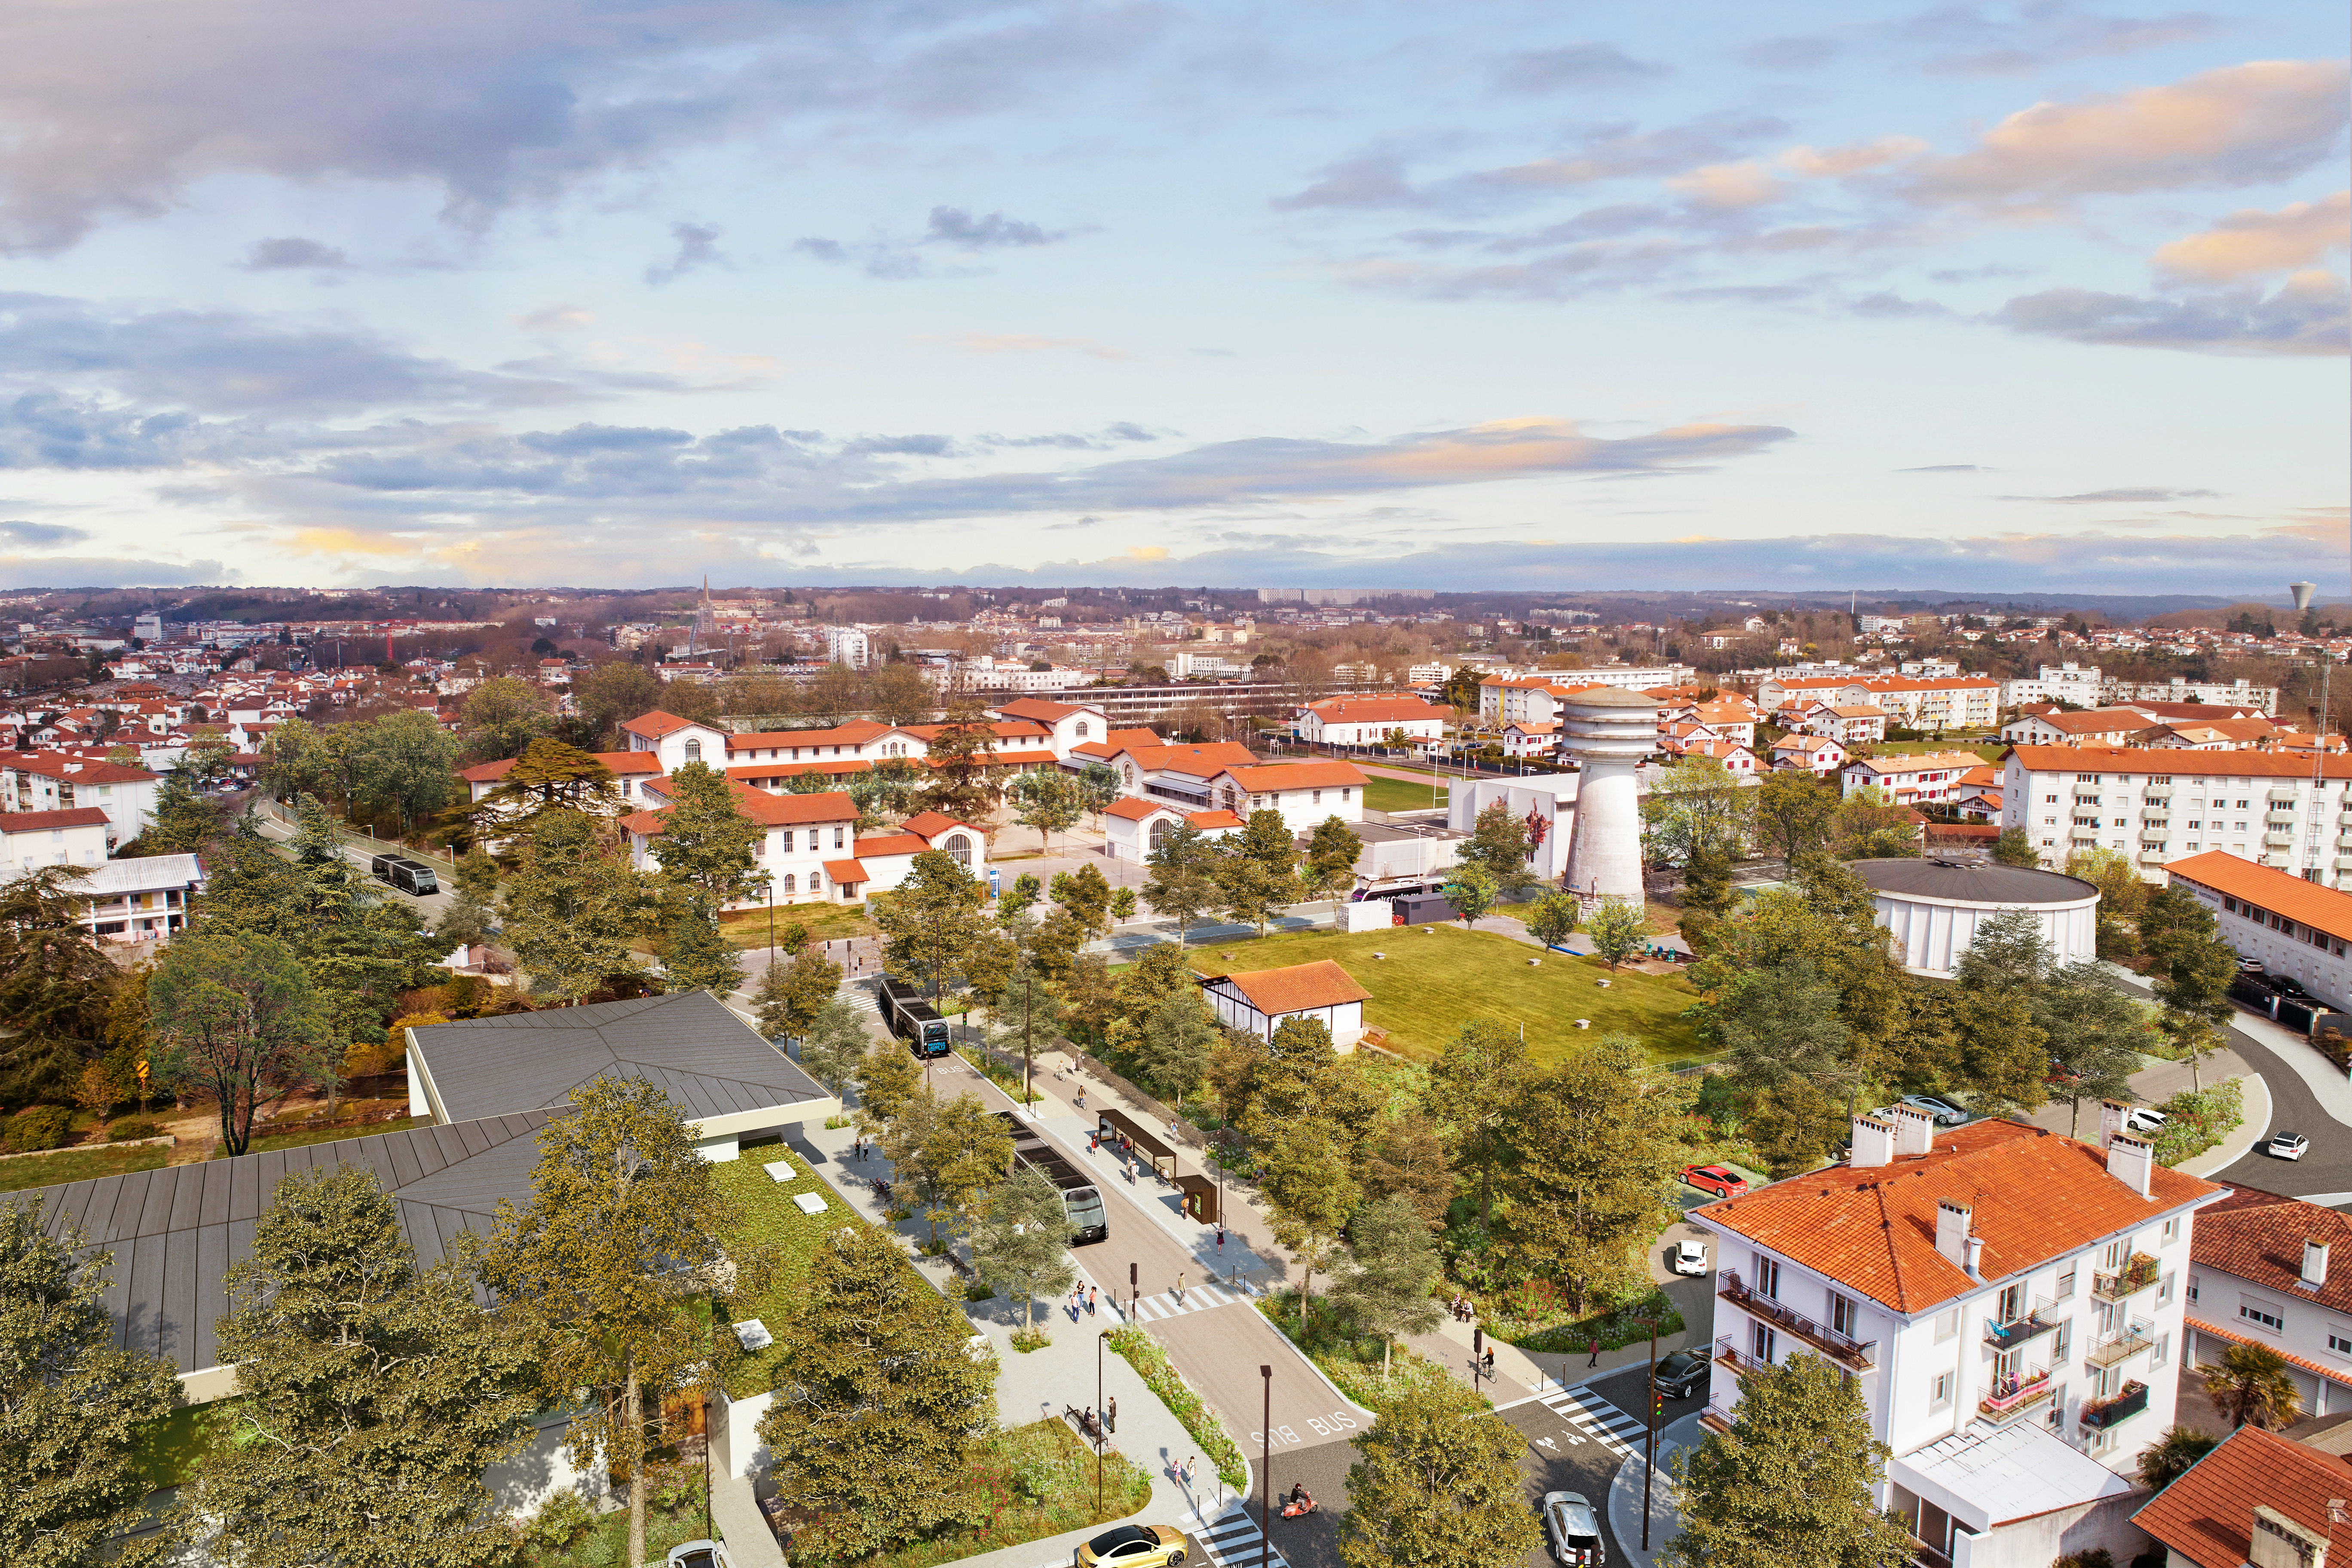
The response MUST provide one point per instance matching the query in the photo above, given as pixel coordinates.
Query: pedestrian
(1091, 1300)
(1111, 1414)
(1596, 1355)
(1221, 1238)
(1180, 1284)
(1191, 1463)
(1171, 1131)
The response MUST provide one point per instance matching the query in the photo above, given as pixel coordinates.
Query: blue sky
(2031, 297)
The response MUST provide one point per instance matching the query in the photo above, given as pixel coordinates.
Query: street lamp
(1266, 1470)
(1100, 1339)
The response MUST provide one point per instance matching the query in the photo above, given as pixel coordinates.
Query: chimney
(1915, 1129)
(2130, 1159)
(2280, 1542)
(1952, 1231)
(1975, 1264)
(2111, 1121)
(1874, 1143)
(2314, 1264)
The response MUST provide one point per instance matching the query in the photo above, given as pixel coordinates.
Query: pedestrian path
(1596, 1418)
(1168, 1304)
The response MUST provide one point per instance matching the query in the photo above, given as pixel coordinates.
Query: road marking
(1167, 1304)
(1235, 1540)
(1596, 1418)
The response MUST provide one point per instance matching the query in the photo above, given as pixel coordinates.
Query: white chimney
(1975, 1264)
(2314, 1264)
(2280, 1542)
(1952, 1231)
(1915, 1129)
(2111, 1121)
(2130, 1159)
(1874, 1143)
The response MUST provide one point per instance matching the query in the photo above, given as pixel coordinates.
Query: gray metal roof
(176, 1231)
(1972, 882)
(704, 1057)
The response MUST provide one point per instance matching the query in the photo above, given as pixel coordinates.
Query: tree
(898, 694)
(697, 956)
(1183, 876)
(373, 1396)
(2122, 894)
(1473, 1086)
(2000, 1053)
(549, 776)
(296, 759)
(401, 766)
(55, 985)
(1099, 789)
(1022, 1245)
(73, 1408)
(2192, 968)
(236, 1015)
(792, 995)
(1013, 904)
(1620, 928)
(1791, 1482)
(959, 754)
(1256, 878)
(1392, 1262)
(1330, 867)
(574, 907)
(598, 1266)
(1866, 825)
(1026, 1014)
(504, 715)
(1310, 1191)
(1122, 904)
(617, 693)
(888, 1082)
(1472, 890)
(1174, 1051)
(182, 822)
(835, 692)
(706, 844)
(832, 1046)
(1048, 801)
(933, 920)
(1407, 1159)
(1498, 844)
(2170, 1457)
(2015, 847)
(2252, 1386)
(1793, 812)
(1436, 1484)
(890, 788)
(950, 1151)
(1780, 1023)
(468, 922)
(1706, 880)
(877, 1396)
(1552, 918)
(1088, 896)
(1696, 806)
(2093, 1034)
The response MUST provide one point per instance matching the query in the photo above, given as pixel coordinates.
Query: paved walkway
(1626, 1495)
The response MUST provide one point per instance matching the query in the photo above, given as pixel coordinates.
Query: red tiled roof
(1298, 987)
(81, 770)
(856, 732)
(42, 821)
(2035, 1195)
(1209, 821)
(1009, 730)
(1134, 808)
(1297, 776)
(1375, 709)
(2258, 1236)
(843, 871)
(1200, 762)
(831, 766)
(2213, 765)
(1039, 709)
(929, 824)
(1924, 763)
(892, 843)
(2279, 892)
(2207, 1515)
(653, 726)
(767, 810)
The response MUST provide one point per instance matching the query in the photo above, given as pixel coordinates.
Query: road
(429, 908)
(1576, 1441)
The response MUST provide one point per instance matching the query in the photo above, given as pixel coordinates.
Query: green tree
(550, 776)
(2093, 1032)
(1472, 890)
(950, 1151)
(182, 822)
(236, 1015)
(296, 759)
(2252, 1385)
(1013, 904)
(467, 921)
(1310, 1190)
(622, 1220)
(707, 845)
(1330, 864)
(1258, 876)
(892, 788)
(503, 715)
(1027, 1016)
(1122, 904)
(1022, 1245)
(576, 908)
(1183, 876)
(1620, 928)
(375, 1395)
(1706, 880)
(958, 753)
(1552, 918)
(832, 1046)
(614, 693)
(1792, 1482)
(2015, 847)
(1048, 801)
(1088, 896)
(1694, 807)
(1099, 788)
(877, 1396)
(1436, 1484)
(1407, 1159)
(1498, 844)
(73, 1407)
(2122, 895)
(697, 956)
(933, 921)
(2001, 1054)
(1174, 1051)
(55, 987)
(1779, 1024)
(888, 1082)
(2192, 968)
(1392, 1264)
(1474, 1086)
(1866, 825)
(792, 995)
(401, 766)
(1793, 812)
(2170, 1457)
(898, 694)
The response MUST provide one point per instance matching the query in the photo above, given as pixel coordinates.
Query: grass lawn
(824, 922)
(327, 1134)
(1399, 794)
(1027, 1483)
(770, 1215)
(77, 1166)
(1429, 984)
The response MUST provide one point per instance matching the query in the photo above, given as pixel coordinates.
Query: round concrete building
(1608, 732)
(1933, 908)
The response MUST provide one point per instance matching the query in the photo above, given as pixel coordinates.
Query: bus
(911, 1018)
(408, 876)
(1082, 1201)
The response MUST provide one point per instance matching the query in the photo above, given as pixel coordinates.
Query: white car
(1945, 1114)
(2140, 1118)
(2286, 1145)
(1688, 1258)
(1575, 1533)
(698, 1554)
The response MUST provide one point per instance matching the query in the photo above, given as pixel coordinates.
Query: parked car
(2286, 1145)
(1689, 1257)
(2286, 987)
(2140, 1118)
(1133, 1546)
(1945, 1114)
(1720, 1180)
(696, 1554)
(1682, 1375)
(1575, 1533)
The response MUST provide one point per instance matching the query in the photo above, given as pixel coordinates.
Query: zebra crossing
(1168, 1304)
(1596, 1418)
(1233, 1539)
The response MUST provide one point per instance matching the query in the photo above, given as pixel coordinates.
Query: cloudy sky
(615, 292)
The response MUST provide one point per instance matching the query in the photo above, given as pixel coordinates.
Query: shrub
(39, 1126)
(131, 1128)
(561, 1520)
(2096, 1557)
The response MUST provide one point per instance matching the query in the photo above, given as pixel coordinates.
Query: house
(2262, 1272)
(800, 833)
(1181, 775)
(1306, 793)
(1369, 720)
(1730, 755)
(2159, 805)
(141, 899)
(2092, 727)
(1977, 797)
(31, 839)
(1067, 725)
(2290, 926)
(2258, 1500)
(1857, 724)
(880, 862)
(674, 742)
(1912, 780)
(1261, 1001)
(1816, 754)
(53, 781)
(2007, 1302)
(2068, 682)
(1530, 738)
(1133, 827)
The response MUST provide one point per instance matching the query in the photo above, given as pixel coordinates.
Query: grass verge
(2196, 1121)
(824, 922)
(336, 1134)
(1159, 1375)
(77, 1165)
(1026, 1484)
(1352, 1360)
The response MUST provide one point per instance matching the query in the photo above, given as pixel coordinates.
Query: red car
(1717, 1179)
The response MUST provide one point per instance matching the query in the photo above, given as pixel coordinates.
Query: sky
(617, 293)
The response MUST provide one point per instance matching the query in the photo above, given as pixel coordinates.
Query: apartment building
(31, 839)
(2234, 693)
(59, 780)
(2289, 926)
(849, 645)
(2161, 806)
(1953, 703)
(1912, 780)
(2067, 683)
(2009, 1303)
(2262, 1273)
(1817, 754)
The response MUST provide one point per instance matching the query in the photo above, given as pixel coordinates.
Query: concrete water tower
(1609, 732)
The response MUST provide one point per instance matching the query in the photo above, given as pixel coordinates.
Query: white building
(147, 626)
(2289, 926)
(847, 645)
(142, 900)
(2068, 682)
(1932, 908)
(1133, 827)
(803, 835)
(1369, 720)
(2014, 1320)
(1910, 780)
(1261, 1001)
(53, 781)
(31, 839)
(2262, 1272)
(2238, 693)
(1306, 793)
(2160, 806)
(675, 742)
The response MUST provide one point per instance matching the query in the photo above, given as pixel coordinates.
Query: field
(824, 922)
(1399, 794)
(1434, 977)
(77, 1166)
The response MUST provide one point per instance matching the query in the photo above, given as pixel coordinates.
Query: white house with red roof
(1067, 725)
(58, 781)
(31, 839)
(2264, 1271)
(1260, 1001)
(1133, 827)
(801, 834)
(1369, 720)
(1306, 793)
(674, 742)
(1525, 738)
(1911, 780)
(881, 861)
(1816, 754)
(1730, 755)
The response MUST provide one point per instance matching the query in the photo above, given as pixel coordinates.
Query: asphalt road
(1565, 1455)
(428, 909)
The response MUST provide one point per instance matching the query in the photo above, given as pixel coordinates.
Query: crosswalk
(1596, 1418)
(1168, 1304)
(1234, 1541)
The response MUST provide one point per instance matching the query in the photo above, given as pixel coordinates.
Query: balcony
(1855, 1353)
(2133, 1277)
(2012, 1397)
(2114, 1412)
(2117, 1347)
(1737, 1360)
(2032, 1325)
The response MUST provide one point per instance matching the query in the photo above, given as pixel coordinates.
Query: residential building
(1857, 724)
(2263, 1273)
(1730, 755)
(1306, 793)
(881, 861)
(1910, 780)
(2257, 1501)
(2239, 692)
(31, 839)
(2161, 806)
(1978, 796)
(847, 645)
(1503, 698)
(60, 781)
(2289, 926)
(1950, 702)
(675, 742)
(800, 833)
(1260, 1001)
(1817, 754)
(1211, 665)
(142, 899)
(2008, 1301)
(2068, 682)
(1067, 725)
(1369, 720)
(1133, 827)
(1530, 738)
(2090, 727)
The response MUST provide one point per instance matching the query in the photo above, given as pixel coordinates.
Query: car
(2286, 1145)
(1689, 1257)
(1945, 1114)
(1574, 1533)
(1720, 1180)
(696, 1554)
(2140, 1118)
(1132, 1546)
(2289, 988)
(1682, 1375)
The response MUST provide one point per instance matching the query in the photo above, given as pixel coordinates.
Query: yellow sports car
(1133, 1546)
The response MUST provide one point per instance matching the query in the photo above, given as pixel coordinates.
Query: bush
(2096, 1557)
(561, 1520)
(131, 1129)
(2196, 1120)
(39, 1126)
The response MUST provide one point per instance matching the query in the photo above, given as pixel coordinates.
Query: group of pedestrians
(1082, 1300)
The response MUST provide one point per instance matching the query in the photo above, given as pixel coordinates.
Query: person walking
(1596, 1355)
(1110, 1415)
(1180, 1286)
(1091, 1300)
(1191, 1463)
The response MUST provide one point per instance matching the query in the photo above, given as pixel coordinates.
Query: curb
(2251, 1130)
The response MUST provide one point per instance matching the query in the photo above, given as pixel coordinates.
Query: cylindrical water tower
(1609, 732)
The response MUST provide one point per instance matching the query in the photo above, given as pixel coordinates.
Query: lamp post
(1265, 1470)
(1650, 1444)
(1100, 1339)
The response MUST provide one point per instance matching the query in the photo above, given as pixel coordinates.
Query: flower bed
(1159, 1375)
(2196, 1121)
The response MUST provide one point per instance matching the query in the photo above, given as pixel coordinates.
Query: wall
(1932, 935)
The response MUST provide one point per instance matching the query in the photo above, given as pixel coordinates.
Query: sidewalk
(1626, 1495)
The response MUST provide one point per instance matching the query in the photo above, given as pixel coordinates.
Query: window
(2164, 1289)
(2171, 1231)
(791, 883)
(2062, 1342)
(2192, 1289)
(813, 838)
(1343, 793)
(958, 848)
(816, 883)
(2066, 1286)
(1318, 799)
(2012, 1303)
(694, 751)
(2339, 1342)
(1768, 1275)
(1081, 730)
(1760, 1343)
(2162, 1352)
(1843, 1314)
(2255, 1313)
(2116, 1251)
(837, 832)
(1942, 1398)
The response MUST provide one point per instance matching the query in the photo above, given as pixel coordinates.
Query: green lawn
(1991, 751)
(824, 922)
(77, 1166)
(770, 1217)
(1434, 977)
(1399, 794)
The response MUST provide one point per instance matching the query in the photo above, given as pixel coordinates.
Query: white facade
(1550, 798)
(2312, 958)
(1306, 793)
(1931, 934)
(847, 645)
(2068, 682)
(2161, 806)
(29, 841)
(2305, 1320)
(144, 900)
(684, 743)
(1609, 734)
(2237, 693)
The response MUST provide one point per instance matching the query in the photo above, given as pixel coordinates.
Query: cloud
(1743, 184)
(1945, 469)
(40, 535)
(2124, 495)
(1790, 54)
(44, 431)
(2306, 315)
(29, 571)
(293, 252)
(2251, 242)
(1572, 64)
(1030, 343)
(1854, 158)
(697, 246)
(2045, 34)
(955, 226)
(554, 319)
(2241, 124)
